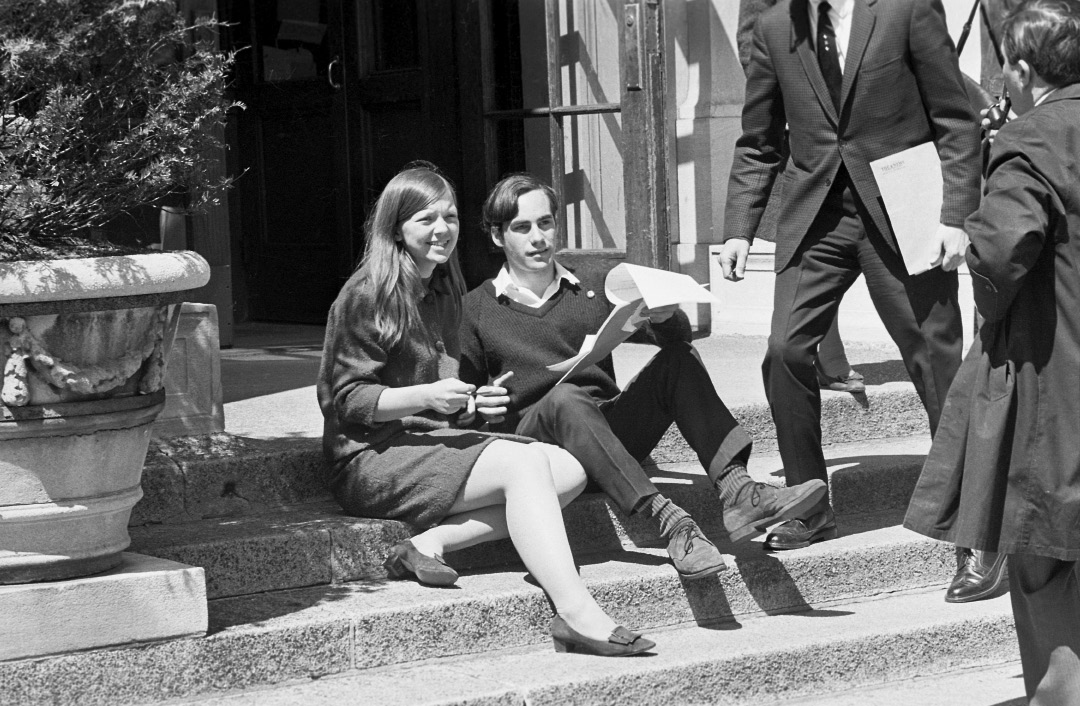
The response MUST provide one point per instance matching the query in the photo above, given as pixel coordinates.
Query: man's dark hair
(501, 205)
(1045, 34)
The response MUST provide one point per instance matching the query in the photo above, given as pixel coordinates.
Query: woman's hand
(445, 396)
(448, 396)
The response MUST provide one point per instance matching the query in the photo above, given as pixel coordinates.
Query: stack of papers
(632, 289)
(911, 187)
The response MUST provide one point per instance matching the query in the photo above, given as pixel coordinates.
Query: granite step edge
(756, 659)
(289, 634)
(771, 660)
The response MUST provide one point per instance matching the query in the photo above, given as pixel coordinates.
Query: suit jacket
(902, 87)
(1003, 473)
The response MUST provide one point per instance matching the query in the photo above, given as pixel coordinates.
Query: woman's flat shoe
(405, 559)
(621, 642)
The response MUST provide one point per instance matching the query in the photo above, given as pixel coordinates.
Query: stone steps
(401, 621)
(315, 544)
(745, 635)
(279, 636)
(298, 592)
(189, 479)
(753, 661)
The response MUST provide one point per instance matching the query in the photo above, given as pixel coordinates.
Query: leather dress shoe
(978, 575)
(693, 555)
(852, 382)
(621, 642)
(799, 533)
(759, 505)
(405, 559)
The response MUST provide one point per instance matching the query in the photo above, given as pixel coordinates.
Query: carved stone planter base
(69, 476)
(84, 345)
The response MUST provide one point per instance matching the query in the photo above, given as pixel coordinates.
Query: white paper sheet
(632, 288)
(911, 187)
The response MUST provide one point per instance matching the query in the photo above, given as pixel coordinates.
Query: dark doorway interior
(339, 95)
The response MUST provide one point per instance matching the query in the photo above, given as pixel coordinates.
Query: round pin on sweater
(590, 294)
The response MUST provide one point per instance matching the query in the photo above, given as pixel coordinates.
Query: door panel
(588, 44)
(294, 185)
(288, 149)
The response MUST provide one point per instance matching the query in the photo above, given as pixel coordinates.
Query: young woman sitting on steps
(390, 399)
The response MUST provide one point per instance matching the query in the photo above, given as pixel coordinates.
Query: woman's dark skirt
(414, 476)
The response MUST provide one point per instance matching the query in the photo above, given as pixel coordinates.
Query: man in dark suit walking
(852, 81)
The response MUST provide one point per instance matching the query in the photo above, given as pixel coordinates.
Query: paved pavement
(268, 376)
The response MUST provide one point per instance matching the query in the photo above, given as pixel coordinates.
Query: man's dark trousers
(610, 438)
(920, 312)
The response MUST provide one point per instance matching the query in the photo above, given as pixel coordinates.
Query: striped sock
(669, 514)
(733, 479)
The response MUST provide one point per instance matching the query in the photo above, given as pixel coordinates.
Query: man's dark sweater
(499, 335)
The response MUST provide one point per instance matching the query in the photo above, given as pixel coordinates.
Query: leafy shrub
(105, 105)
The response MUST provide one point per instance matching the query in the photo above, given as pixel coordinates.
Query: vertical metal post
(555, 125)
(644, 135)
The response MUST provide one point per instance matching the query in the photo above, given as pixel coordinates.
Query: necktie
(827, 55)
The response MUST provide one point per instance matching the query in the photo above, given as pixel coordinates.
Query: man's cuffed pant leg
(1046, 606)
(675, 386)
(569, 417)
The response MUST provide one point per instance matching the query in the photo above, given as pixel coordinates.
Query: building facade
(632, 106)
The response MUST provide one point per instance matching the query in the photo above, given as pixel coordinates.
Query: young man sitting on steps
(535, 313)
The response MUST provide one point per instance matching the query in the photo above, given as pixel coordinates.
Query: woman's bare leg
(485, 524)
(519, 482)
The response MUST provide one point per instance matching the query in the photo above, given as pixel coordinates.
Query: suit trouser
(1045, 596)
(920, 312)
(832, 359)
(610, 438)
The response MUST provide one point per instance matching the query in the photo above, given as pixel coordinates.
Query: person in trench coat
(1003, 473)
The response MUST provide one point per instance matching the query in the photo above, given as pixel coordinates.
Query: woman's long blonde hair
(386, 265)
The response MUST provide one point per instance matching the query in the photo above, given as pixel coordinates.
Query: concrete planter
(85, 344)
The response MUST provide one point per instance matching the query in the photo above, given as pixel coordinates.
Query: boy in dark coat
(1003, 473)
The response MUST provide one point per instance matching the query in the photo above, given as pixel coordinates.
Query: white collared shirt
(504, 286)
(1045, 96)
(840, 14)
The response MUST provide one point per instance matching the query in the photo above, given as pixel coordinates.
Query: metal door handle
(330, 73)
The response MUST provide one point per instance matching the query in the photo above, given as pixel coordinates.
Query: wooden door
(401, 87)
(340, 94)
(294, 177)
